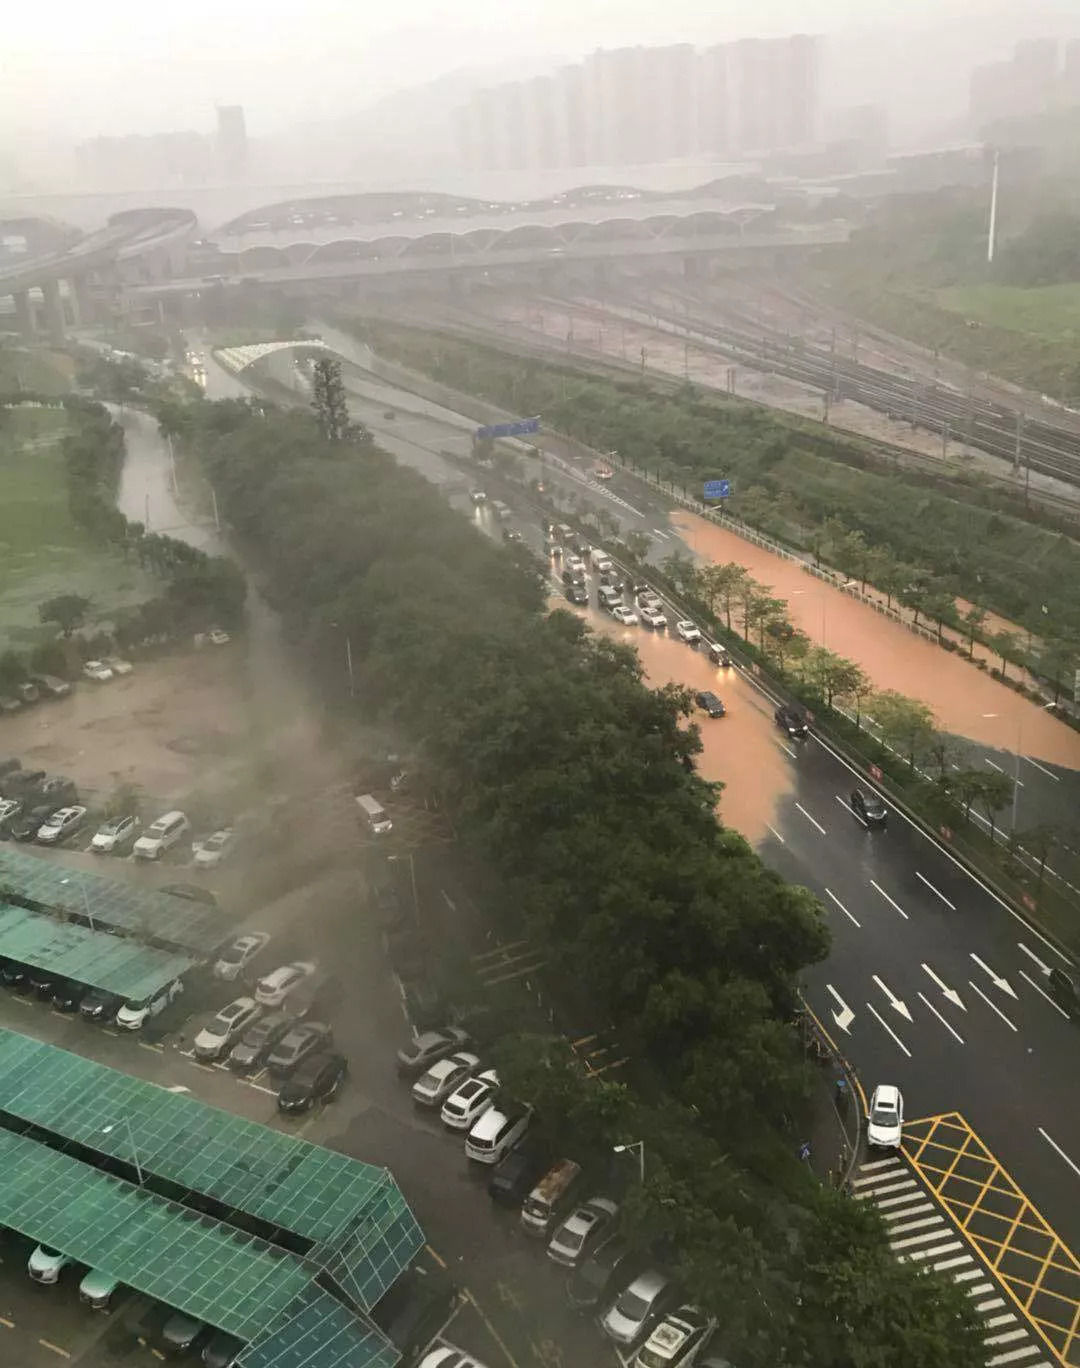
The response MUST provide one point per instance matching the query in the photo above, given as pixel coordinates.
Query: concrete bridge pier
(83, 305)
(55, 322)
(24, 314)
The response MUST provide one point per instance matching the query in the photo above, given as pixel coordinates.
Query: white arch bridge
(237, 359)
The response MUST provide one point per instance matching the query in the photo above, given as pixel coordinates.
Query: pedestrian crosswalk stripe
(916, 1239)
(917, 1254)
(1006, 1338)
(951, 1263)
(991, 1305)
(1006, 1318)
(902, 1214)
(916, 1225)
(1014, 1354)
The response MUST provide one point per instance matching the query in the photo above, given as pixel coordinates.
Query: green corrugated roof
(116, 964)
(361, 1228)
(134, 908)
(318, 1332)
(202, 1266)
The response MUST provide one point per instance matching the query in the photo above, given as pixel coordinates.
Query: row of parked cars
(638, 1307)
(179, 1333)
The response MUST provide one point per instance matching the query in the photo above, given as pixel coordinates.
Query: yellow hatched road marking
(995, 1213)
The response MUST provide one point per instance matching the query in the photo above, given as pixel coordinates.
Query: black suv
(317, 1079)
(577, 593)
(790, 720)
(1066, 989)
(869, 808)
(710, 703)
(573, 576)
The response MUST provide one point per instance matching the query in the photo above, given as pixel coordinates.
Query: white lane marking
(845, 1016)
(790, 752)
(950, 993)
(1049, 773)
(885, 1024)
(1043, 993)
(932, 889)
(939, 846)
(776, 834)
(997, 979)
(1033, 956)
(848, 808)
(993, 1006)
(999, 1360)
(842, 908)
(891, 901)
(657, 533)
(811, 819)
(940, 1018)
(1055, 1146)
(1018, 782)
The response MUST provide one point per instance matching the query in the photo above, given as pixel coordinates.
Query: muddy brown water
(964, 701)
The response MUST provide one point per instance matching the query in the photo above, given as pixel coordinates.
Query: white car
(136, 1013)
(496, 1133)
(625, 615)
(635, 1307)
(648, 598)
(686, 631)
(654, 619)
(118, 666)
(581, 1230)
(432, 1087)
(115, 835)
(272, 990)
(218, 637)
(239, 955)
(470, 1101)
(885, 1124)
(210, 853)
(573, 563)
(97, 669)
(63, 823)
(45, 1264)
(161, 835)
(232, 1021)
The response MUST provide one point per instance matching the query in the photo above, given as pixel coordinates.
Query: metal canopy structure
(129, 909)
(278, 1241)
(70, 951)
(215, 1273)
(350, 1218)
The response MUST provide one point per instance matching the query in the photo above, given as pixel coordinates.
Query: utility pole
(686, 361)
(644, 359)
(945, 441)
(1019, 437)
(991, 235)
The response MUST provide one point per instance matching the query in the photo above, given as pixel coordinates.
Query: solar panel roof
(209, 1270)
(133, 908)
(316, 1331)
(113, 963)
(361, 1228)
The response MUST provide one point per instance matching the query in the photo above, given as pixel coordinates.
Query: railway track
(935, 406)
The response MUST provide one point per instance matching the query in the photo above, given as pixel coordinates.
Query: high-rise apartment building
(1029, 83)
(232, 142)
(628, 106)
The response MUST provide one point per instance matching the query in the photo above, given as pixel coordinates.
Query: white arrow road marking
(1054, 1145)
(1033, 956)
(951, 993)
(1043, 993)
(811, 819)
(937, 891)
(888, 1028)
(845, 1016)
(940, 1018)
(842, 908)
(894, 1001)
(998, 981)
(993, 1006)
(891, 901)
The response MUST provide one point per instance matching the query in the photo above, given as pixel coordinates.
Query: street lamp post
(106, 1130)
(639, 1147)
(1046, 707)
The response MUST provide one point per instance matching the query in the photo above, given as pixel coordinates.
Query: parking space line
(436, 1256)
(145, 1045)
(56, 1349)
(8, 1324)
(491, 1329)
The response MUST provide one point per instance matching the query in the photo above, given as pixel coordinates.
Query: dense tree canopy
(568, 782)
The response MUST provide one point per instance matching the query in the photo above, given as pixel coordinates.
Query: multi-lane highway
(932, 983)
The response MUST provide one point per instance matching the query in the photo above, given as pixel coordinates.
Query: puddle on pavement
(740, 749)
(964, 700)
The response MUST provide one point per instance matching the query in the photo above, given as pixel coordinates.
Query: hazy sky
(113, 66)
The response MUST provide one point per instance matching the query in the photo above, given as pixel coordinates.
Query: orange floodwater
(963, 699)
(740, 749)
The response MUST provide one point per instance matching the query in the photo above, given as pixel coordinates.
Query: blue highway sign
(717, 489)
(520, 428)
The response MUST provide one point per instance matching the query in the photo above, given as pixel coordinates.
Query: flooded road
(964, 701)
(742, 749)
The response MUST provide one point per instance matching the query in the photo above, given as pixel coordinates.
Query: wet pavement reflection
(964, 701)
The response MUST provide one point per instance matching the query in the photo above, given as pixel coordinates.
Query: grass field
(1051, 312)
(35, 368)
(42, 552)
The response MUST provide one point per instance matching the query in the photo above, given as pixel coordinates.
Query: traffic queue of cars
(637, 1307)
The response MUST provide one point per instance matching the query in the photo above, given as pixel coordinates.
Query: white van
(496, 1133)
(135, 1014)
(161, 835)
(600, 559)
(374, 814)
